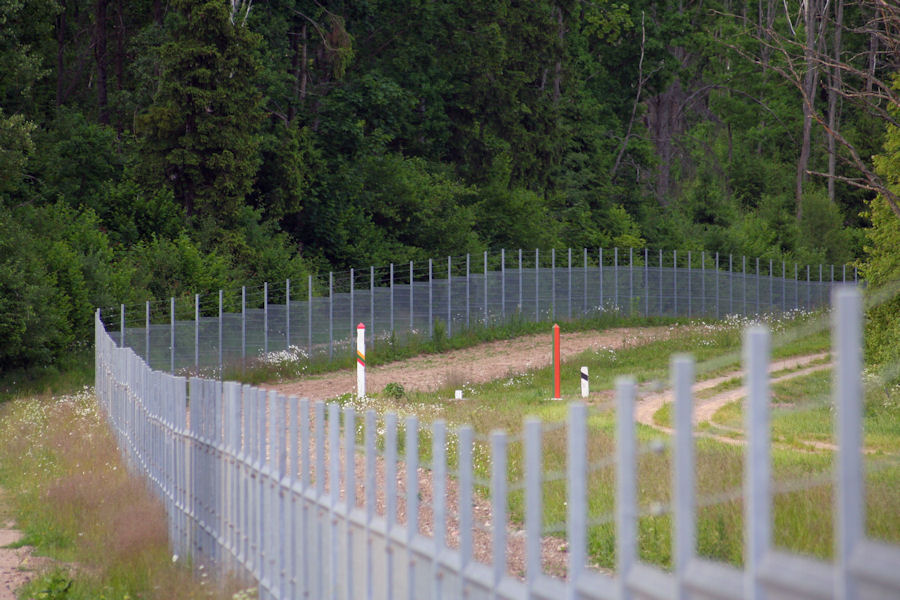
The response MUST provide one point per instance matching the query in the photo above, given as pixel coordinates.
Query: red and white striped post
(556, 394)
(361, 360)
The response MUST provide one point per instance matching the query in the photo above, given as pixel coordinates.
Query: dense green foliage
(150, 149)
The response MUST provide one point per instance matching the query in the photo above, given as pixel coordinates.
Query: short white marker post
(459, 395)
(584, 382)
(361, 360)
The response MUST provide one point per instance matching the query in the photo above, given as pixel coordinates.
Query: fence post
(730, 284)
(412, 493)
(660, 277)
(757, 517)
(846, 325)
(372, 299)
(197, 331)
(330, 315)
(466, 437)
(498, 506)
(520, 283)
(449, 297)
(390, 493)
(352, 304)
(616, 277)
(675, 280)
(411, 298)
(430, 299)
(266, 317)
(796, 289)
(439, 485)
(683, 476)
(533, 493)
(349, 493)
(744, 281)
(570, 285)
(584, 282)
(757, 286)
(221, 330)
(485, 288)
(626, 484)
(309, 313)
(553, 283)
(630, 281)
(468, 285)
(537, 284)
(244, 325)
(172, 338)
(147, 330)
(391, 286)
(369, 486)
(717, 285)
(690, 294)
(646, 284)
(503, 283)
(576, 496)
(600, 269)
(122, 326)
(703, 282)
(287, 314)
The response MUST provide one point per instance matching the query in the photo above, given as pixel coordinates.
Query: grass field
(76, 502)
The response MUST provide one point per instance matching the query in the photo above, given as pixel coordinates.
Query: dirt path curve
(705, 408)
(478, 364)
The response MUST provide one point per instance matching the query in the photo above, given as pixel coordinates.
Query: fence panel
(276, 490)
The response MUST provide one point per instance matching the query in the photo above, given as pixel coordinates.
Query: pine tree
(200, 136)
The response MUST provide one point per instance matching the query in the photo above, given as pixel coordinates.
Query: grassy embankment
(73, 497)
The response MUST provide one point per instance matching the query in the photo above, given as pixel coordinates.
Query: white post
(757, 469)
(847, 391)
(584, 382)
(361, 360)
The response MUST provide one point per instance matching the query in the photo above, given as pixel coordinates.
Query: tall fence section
(319, 316)
(313, 500)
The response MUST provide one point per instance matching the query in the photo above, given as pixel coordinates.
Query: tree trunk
(120, 45)
(833, 93)
(60, 52)
(810, 81)
(100, 55)
(557, 75)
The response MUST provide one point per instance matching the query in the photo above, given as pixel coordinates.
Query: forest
(157, 148)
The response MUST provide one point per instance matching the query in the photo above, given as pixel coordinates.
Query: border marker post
(556, 394)
(361, 360)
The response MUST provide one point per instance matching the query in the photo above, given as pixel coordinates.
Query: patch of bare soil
(17, 566)
(479, 364)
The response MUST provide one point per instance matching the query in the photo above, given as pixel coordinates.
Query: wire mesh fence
(318, 317)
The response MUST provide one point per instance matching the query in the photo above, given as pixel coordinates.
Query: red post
(556, 394)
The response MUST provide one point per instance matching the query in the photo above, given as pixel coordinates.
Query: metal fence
(319, 316)
(303, 497)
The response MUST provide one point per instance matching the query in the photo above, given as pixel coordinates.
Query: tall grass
(77, 503)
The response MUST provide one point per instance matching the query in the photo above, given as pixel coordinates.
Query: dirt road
(471, 365)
